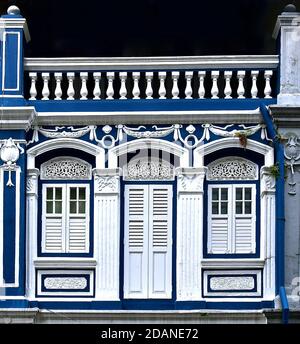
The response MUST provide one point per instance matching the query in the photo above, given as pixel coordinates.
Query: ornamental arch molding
(96, 151)
(233, 142)
(155, 144)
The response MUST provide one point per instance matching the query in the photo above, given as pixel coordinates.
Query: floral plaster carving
(109, 184)
(65, 283)
(232, 168)
(232, 283)
(66, 168)
(292, 156)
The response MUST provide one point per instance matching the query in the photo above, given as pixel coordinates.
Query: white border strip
(4, 61)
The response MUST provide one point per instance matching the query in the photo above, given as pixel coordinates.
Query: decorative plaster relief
(232, 168)
(66, 168)
(232, 283)
(106, 184)
(65, 283)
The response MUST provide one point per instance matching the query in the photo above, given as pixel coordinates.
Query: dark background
(64, 28)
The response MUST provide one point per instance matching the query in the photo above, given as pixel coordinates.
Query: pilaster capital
(32, 181)
(268, 181)
(107, 180)
(190, 179)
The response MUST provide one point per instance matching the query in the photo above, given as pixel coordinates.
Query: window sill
(233, 263)
(61, 262)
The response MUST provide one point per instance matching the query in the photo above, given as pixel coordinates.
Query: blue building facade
(139, 187)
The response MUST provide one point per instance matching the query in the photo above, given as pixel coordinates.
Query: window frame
(44, 184)
(234, 184)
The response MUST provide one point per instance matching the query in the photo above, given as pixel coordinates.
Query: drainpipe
(280, 217)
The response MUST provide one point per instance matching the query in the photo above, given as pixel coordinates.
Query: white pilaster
(107, 233)
(31, 228)
(288, 25)
(267, 195)
(189, 232)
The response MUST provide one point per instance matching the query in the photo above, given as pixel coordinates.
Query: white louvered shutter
(78, 219)
(136, 242)
(160, 241)
(53, 218)
(219, 220)
(244, 219)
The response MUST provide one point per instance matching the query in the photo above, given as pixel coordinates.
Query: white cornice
(286, 19)
(17, 117)
(15, 23)
(146, 117)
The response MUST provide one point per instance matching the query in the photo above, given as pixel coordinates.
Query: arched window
(231, 206)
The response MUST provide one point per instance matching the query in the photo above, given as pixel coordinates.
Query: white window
(65, 218)
(231, 218)
(148, 241)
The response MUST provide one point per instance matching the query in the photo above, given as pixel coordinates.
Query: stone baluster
(175, 89)
(84, 90)
(123, 90)
(268, 89)
(58, 90)
(215, 89)
(136, 89)
(149, 90)
(71, 91)
(241, 90)
(227, 90)
(254, 90)
(97, 90)
(162, 89)
(110, 87)
(33, 91)
(201, 91)
(45, 91)
(188, 89)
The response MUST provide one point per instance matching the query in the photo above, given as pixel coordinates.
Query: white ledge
(64, 262)
(151, 63)
(233, 263)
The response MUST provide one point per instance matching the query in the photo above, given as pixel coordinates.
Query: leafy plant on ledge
(242, 138)
(274, 170)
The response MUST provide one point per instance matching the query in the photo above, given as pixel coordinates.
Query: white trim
(15, 23)
(62, 262)
(156, 144)
(4, 61)
(53, 144)
(11, 96)
(232, 142)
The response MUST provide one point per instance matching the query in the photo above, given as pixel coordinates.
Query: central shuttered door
(148, 241)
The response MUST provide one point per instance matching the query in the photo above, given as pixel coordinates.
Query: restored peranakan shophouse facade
(143, 189)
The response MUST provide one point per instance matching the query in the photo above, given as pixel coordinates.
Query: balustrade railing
(193, 77)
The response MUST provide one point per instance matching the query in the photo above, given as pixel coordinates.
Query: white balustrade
(149, 90)
(110, 88)
(188, 89)
(175, 89)
(46, 91)
(58, 90)
(254, 90)
(241, 90)
(201, 91)
(136, 89)
(268, 90)
(123, 90)
(227, 90)
(71, 91)
(162, 89)
(97, 90)
(159, 80)
(33, 91)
